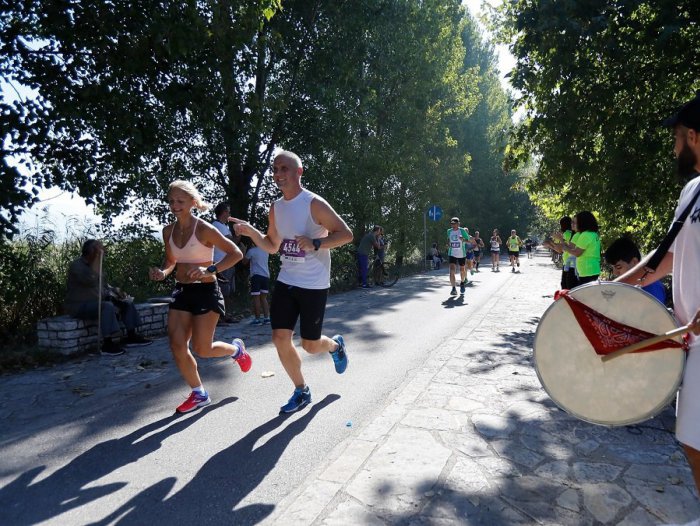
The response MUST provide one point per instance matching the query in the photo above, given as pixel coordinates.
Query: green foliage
(33, 277)
(393, 105)
(126, 266)
(131, 95)
(391, 124)
(493, 191)
(596, 78)
(32, 284)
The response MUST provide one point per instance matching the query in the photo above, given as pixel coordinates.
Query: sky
(55, 205)
(57, 210)
(506, 61)
(62, 209)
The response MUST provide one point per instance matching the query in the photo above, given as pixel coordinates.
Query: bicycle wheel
(389, 274)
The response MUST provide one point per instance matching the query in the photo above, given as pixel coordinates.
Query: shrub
(32, 283)
(33, 277)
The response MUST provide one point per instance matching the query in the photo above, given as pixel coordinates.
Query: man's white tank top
(305, 269)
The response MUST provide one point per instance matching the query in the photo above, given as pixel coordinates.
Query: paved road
(96, 440)
(472, 438)
(439, 419)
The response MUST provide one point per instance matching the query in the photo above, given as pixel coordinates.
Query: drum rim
(654, 412)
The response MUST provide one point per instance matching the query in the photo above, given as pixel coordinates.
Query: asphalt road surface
(127, 459)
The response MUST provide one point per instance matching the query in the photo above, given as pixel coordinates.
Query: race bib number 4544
(291, 252)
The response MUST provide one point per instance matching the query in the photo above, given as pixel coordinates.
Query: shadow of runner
(22, 502)
(223, 482)
(454, 301)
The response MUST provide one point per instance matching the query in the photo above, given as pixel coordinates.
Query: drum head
(625, 390)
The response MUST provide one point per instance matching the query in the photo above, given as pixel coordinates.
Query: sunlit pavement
(472, 438)
(468, 437)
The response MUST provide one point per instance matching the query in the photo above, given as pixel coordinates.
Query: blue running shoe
(300, 398)
(340, 356)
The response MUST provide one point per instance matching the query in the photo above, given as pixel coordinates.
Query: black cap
(688, 115)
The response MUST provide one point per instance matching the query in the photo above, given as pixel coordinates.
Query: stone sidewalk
(472, 438)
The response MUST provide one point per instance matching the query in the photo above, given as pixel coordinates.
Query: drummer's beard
(686, 162)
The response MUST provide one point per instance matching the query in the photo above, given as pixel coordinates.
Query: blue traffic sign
(435, 213)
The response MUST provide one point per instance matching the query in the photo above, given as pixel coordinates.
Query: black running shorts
(198, 298)
(259, 285)
(458, 261)
(290, 303)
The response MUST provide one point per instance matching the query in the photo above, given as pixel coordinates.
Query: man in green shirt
(514, 243)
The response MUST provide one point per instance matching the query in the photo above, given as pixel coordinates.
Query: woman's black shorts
(198, 298)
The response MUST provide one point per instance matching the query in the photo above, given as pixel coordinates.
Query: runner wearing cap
(457, 238)
(514, 243)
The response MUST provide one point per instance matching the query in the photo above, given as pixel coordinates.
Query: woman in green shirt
(586, 247)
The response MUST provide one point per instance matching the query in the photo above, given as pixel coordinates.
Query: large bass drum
(624, 390)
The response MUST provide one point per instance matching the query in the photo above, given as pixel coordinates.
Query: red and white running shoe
(242, 357)
(194, 401)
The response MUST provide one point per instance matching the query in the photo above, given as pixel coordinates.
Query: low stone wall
(68, 335)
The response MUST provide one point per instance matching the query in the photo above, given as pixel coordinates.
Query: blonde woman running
(198, 302)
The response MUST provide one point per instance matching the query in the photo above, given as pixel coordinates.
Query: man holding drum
(681, 261)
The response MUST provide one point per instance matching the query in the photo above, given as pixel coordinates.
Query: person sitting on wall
(84, 299)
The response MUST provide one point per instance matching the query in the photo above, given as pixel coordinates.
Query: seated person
(82, 301)
(622, 255)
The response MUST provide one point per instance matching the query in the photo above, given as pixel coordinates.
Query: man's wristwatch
(212, 269)
(316, 243)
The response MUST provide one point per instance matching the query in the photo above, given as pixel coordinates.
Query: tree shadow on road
(222, 483)
(526, 461)
(24, 502)
(533, 463)
(546, 469)
(511, 349)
